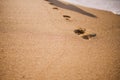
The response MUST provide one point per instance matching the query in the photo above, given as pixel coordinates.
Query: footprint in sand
(51, 3)
(55, 8)
(84, 36)
(66, 17)
(46, 0)
(79, 31)
(89, 36)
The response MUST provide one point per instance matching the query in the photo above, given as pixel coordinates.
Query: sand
(37, 42)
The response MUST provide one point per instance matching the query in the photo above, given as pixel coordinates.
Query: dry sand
(38, 43)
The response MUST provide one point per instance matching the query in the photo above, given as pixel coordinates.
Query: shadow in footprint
(89, 36)
(51, 3)
(55, 8)
(70, 7)
(66, 16)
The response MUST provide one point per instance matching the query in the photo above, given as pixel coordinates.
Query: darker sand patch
(23, 77)
(2, 50)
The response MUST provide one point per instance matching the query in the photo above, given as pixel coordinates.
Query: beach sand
(38, 41)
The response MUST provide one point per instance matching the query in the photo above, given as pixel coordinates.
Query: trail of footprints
(80, 31)
(56, 8)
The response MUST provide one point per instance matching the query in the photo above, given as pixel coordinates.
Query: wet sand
(38, 42)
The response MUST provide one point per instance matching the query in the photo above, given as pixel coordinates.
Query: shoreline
(101, 6)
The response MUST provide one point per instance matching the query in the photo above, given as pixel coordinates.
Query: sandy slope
(38, 43)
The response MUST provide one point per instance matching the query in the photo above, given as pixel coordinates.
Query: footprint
(66, 16)
(88, 36)
(51, 3)
(55, 8)
(79, 31)
(46, 0)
